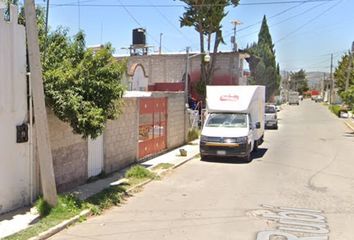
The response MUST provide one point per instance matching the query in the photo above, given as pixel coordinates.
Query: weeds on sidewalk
(163, 166)
(69, 206)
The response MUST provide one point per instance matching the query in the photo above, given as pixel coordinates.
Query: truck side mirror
(258, 125)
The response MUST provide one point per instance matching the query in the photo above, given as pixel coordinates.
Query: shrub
(43, 207)
(335, 109)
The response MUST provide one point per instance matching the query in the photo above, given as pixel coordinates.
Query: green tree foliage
(299, 81)
(206, 16)
(263, 67)
(340, 75)
(82, 87)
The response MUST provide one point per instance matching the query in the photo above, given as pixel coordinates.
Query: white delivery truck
(293, 98)
(234, 124)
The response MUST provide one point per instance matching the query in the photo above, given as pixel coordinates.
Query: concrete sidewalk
(18, 220)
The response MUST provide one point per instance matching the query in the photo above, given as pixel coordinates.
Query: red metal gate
(152, 126)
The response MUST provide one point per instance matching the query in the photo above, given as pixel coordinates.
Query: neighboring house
(166, 71)
(16, 179)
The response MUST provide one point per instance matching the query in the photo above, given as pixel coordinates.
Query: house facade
(166, 72)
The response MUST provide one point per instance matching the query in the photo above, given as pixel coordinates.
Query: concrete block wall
(120, 139)
(69, 152)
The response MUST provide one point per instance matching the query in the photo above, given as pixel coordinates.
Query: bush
(139, 172)
(43, 207)
(335, 109)
(193, 134)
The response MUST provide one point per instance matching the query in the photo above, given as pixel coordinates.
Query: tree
(81, 86)
(340, 75)
(206, 16)
(299, 81)
(263, 67)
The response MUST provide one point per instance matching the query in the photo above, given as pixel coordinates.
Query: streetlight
(188, 57)
(349, 68)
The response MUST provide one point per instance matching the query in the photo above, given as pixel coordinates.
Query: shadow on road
(236, 160)
(349, 134)
(259, 153)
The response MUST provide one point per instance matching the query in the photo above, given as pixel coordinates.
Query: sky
(305, 32)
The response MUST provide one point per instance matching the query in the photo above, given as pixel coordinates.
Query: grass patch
(163, 166)
(105, 199)
(69, 206)
(139, 172)
(335, 109)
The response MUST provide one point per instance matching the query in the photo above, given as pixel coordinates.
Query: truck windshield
(270, 109)
(232, 120)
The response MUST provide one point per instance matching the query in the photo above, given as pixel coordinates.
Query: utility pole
(349, 67)
(46, 30)
(40, 113)
(331, 93)
(160, 48)
(233, 38)
(186, 76)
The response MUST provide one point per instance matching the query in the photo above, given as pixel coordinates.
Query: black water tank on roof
(139, 36)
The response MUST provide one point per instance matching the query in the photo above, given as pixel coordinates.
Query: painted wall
(14, 157)
(170, 68)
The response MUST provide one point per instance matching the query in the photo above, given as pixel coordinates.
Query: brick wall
(69, 152)
(120, 139)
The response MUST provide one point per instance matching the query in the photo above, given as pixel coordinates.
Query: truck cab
(228, 134)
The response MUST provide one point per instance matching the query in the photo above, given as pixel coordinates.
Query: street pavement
(299, 184)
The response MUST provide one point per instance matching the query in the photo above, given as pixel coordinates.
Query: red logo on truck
(229, 97)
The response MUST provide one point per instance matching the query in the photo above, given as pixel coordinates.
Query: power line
(273, 16)
(182, 5)
(137, 22)
(287, 19)
(311, 20)
(169, 22)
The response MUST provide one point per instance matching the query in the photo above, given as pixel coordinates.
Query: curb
(349, 125)
(185, 161)
(61, 226)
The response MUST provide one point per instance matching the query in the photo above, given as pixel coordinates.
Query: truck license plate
(221, 152)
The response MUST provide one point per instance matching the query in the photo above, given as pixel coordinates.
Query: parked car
(271, 118)
(319, 99)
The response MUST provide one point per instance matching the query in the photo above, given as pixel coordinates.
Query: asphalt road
(307, 164)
